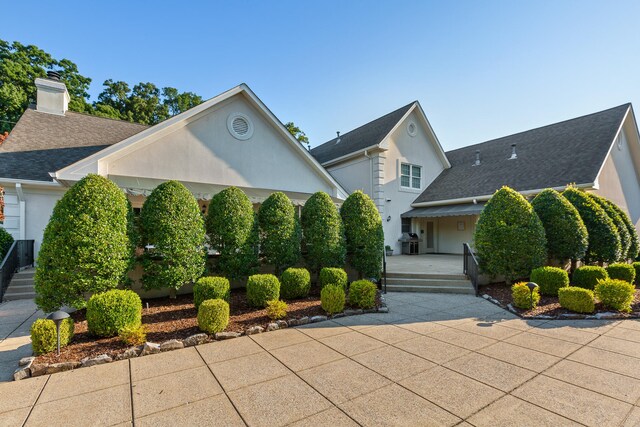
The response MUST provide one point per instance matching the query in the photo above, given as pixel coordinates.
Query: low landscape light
(532, 287)
(58, 317)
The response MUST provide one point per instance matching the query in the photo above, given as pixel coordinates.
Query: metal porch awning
(446, 210)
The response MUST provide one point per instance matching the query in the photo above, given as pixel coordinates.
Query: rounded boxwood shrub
(211, 288)
(616, 294)
(634, 244)
(262, 288)
(509, 236)
(621, 228)
(522, 296)
(85, 246)
(6, 240)
(604, 241)
(332, 299)
(636, 266)
(233, 232)
(550, 279)
(277, 309)
(111, 311)
(44, 335)
(621, 271)
(588, 276)
(362, 294)
(577, 299)
(333, 276)
(279, 232)
(323, 233)
(295, 283)
(363, 233)
(213, 315)
(566, 234)
(172, 223)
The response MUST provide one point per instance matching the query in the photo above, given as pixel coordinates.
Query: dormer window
(410, 176)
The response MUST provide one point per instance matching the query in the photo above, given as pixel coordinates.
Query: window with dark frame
(406, 225)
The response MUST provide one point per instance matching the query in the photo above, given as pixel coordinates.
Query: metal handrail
(19, 255)
(471, 267)
(384, 271)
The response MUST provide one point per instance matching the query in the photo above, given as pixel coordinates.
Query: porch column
(378, 160)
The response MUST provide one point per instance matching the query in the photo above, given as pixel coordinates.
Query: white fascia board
(30, 183)
(358, 153)
(613, 143)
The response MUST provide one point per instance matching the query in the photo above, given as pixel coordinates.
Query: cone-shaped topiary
(621, 227)
(279, 232)
(85, 247)
(364, 235)
(232, 229)
(323, 233)
(634, 244)
(509, 236)
(604, 241)
(172, 223)
(566, 234)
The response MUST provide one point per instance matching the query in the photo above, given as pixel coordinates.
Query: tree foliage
(364, 234)
(620, 226)
(232, 229)
(172, 224)
(279, 232)
(566, 234)
(634, 244)
(297, 132)
(85, 247)
(509, 236)
(323, 233)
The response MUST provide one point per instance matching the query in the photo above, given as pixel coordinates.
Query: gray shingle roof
(41, 143)
(571, 151)
(360, 138)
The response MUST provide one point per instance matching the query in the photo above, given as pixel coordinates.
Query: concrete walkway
(16, 318)
(435, 360)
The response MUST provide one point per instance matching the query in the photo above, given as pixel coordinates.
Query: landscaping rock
(150, 348)
(370, 310)
(195, 340)
(171, 345)
(254, 330)
(21, 373)
(129, 353)
(572, 316)
(38, 369)
(315, 319)
(337, 315)
(227, 335)
(100, 360)
(26, 361)
(272, 327)
(383, 309)
(282, 324)
(607, 315)
(60, 367)
(303, 320)
(352, 311)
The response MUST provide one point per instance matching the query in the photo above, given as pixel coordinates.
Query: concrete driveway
(438, 360)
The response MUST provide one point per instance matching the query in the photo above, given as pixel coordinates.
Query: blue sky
(481, 70)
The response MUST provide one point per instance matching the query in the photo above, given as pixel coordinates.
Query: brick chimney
(53, 97)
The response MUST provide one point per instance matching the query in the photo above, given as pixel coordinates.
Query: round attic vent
(412, 130)
(240, 126)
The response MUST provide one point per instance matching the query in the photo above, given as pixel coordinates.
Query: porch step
(432, 289)
(410, 275)
(423, 282)
(22, 286)
(12, 296)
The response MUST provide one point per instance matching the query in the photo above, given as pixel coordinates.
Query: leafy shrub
(133, 335)
(85, 247)
(577, 299)
(566, 234)
(233, 232)
(6, 240)
(636, 266)
(279, 231)
(364, 235)
(587, 277)
(616, 294)
(333, 276)
(277, 309)
(521, 296)
(262, 288)
(213, 315)
(322, 233)
(550, 279)
(620, 226)
(362, 294)
(295, 283)
(509, 236)
(622, 271)
(211, 288)
(171, 222)
(332, 299)
(109, 312)
(44, 335)
(634, 244)
(604, 241)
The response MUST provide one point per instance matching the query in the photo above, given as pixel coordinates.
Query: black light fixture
(58, 317)
(532, 287)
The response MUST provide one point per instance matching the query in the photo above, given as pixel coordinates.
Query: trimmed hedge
(6, 240)
(616, 294)
(522, 296)
(110, 312)
(577, 299)
(333, 276)
(332, 299)
(262, 288)
(277, 309)
(550, 279)
(213, 315)
(622, 271)
(588, 276)
(211, 287)
(634, 246)
(362, 294)
(509, 236)
(621, 227)
(636, 266)
(323, 233)
(44, 337)
(280, 232)
(295, 283)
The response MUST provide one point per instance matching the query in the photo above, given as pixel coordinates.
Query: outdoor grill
(409, 243)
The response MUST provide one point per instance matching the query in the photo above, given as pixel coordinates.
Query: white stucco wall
(39, 207)
(450, 238)
(354, 174)
(11, 213)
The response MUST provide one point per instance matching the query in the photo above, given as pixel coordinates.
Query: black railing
(384, 271)
(470, 266)
(19, 255)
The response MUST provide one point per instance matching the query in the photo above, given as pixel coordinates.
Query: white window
(410, 176)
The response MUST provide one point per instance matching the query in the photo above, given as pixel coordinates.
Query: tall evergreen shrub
(634, 244)
(621, 228)
(279, 232)
(323, 233)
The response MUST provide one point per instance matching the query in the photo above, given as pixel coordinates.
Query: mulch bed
(548, 306)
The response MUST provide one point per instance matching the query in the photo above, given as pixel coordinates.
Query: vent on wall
(240, 126)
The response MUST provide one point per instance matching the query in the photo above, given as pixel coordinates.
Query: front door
(427, 236)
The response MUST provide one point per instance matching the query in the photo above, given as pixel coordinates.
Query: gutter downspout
(23, 211)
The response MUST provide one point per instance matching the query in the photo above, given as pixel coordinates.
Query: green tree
(509, 236)
(634, 246)
(364, 234)
(177, 102)
(279, 232)
(172, 224)
(297, 132)
(232, 229)
(322, 233)
(85, 247)
(621, 228)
